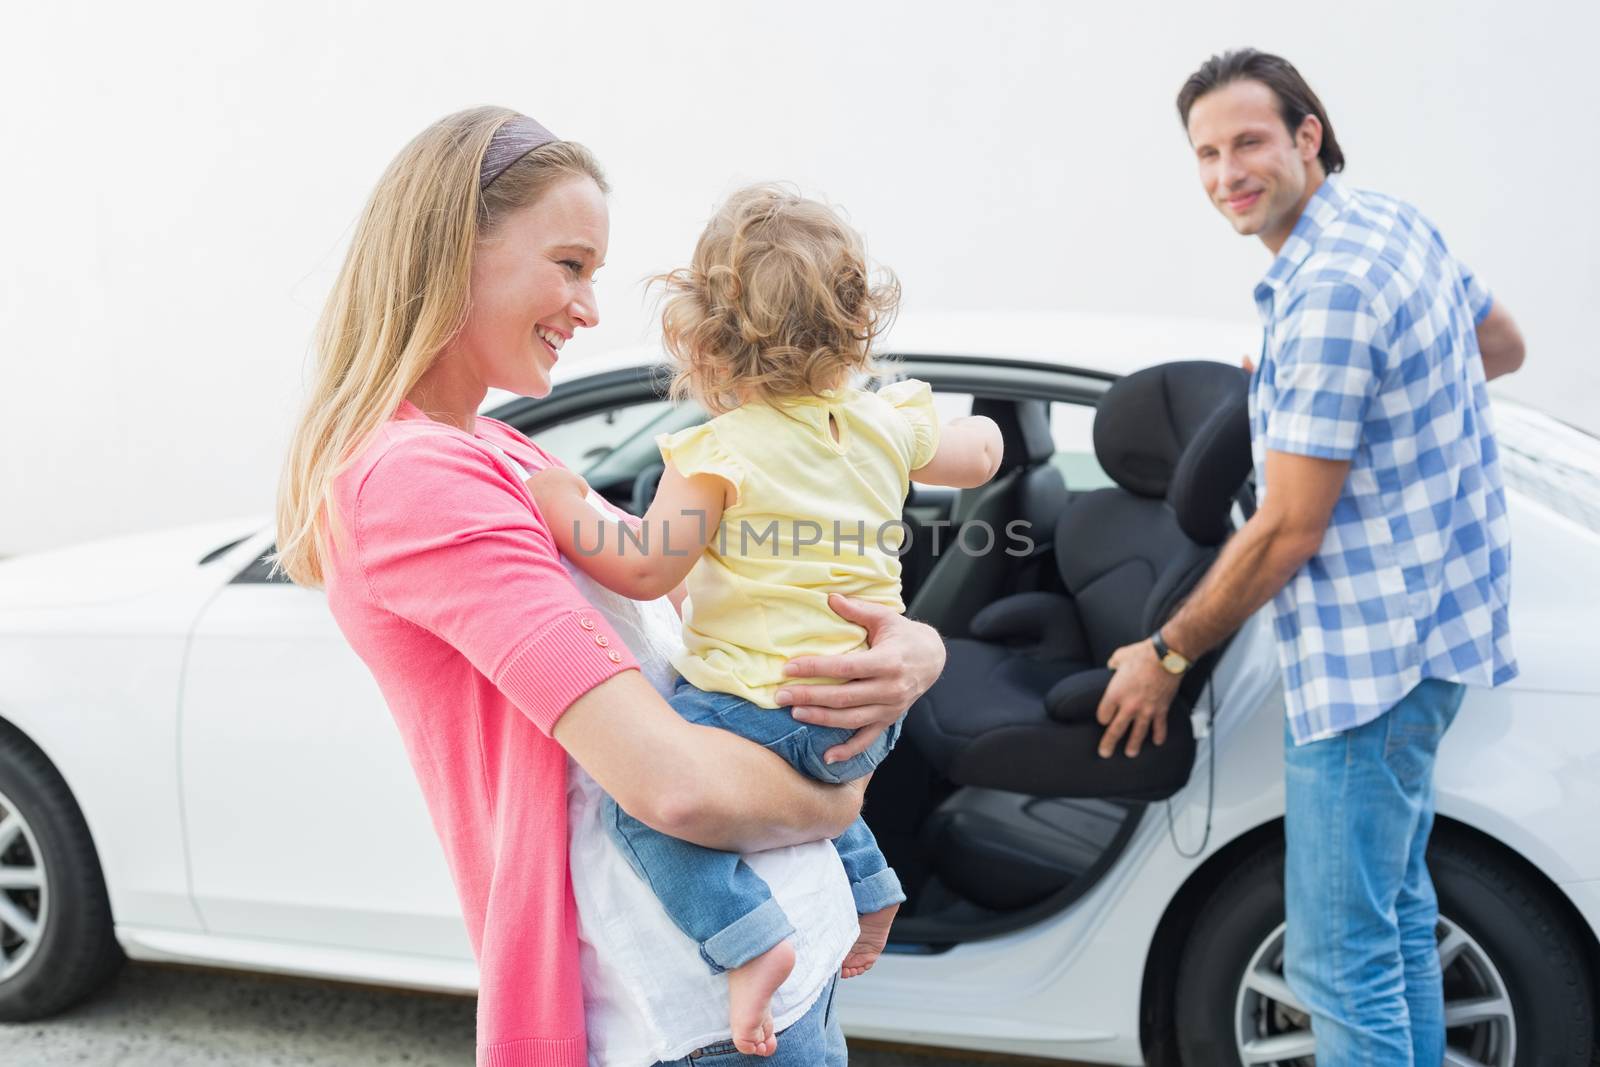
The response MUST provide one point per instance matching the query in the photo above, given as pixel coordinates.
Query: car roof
(1108, 344)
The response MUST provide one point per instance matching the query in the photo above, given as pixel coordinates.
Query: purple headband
(515, 138)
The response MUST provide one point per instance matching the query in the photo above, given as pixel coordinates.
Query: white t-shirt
(647, 994)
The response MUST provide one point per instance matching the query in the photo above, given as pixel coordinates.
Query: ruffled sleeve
(698, 450)
(913, 399)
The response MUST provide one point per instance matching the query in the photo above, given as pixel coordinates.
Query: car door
(303, 818)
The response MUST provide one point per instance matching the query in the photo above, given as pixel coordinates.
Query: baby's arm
(643, 564)
(968, 454)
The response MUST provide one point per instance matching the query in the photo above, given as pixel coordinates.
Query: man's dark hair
(1295, 98)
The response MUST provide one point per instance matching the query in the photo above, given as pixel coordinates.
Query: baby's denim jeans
(715, 897)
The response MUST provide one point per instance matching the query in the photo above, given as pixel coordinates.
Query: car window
(638, 450)
(583, 442)
(1072, 426)
(618, 443)
(947, 406)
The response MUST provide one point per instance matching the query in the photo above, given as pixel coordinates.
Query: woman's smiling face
(533, 287)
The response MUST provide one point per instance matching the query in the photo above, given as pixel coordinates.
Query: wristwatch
(1171, 662)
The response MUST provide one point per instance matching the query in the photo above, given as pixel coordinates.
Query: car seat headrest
(1179, 431)
(1211, 471)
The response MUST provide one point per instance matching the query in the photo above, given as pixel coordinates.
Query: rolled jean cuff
(746, 937)
(877, 891)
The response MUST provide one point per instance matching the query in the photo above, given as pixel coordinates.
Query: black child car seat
(1015, 708)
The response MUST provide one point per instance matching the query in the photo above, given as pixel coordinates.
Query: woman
(472, 266)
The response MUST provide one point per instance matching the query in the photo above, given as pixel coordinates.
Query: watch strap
(1163, 650)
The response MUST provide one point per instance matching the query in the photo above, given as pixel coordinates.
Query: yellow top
(812, 516)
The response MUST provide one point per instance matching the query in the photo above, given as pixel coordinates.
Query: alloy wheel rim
(24, 891)
(1273, 1029)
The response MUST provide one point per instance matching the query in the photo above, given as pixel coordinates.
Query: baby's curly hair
(777, 302)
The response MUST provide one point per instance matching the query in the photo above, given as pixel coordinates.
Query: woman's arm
(721, 791)
(446, 542)
(696, 783)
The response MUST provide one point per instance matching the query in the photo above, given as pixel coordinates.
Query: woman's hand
(878, 685)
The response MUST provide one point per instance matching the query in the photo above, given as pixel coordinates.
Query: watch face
(1174, 663)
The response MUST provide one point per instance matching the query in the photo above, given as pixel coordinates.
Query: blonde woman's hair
(400, 298)
(777, 302)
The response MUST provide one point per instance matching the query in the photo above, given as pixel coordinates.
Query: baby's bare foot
(869, 946)
(750, 989)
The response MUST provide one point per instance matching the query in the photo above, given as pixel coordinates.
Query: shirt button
(587, 624)
(602, 640)
(614, 656)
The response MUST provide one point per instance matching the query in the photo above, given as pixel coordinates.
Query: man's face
(1254, 171)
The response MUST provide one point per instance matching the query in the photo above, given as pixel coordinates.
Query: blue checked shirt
(1371, 356)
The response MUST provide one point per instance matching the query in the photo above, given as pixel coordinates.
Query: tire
(1508, 939)
(71, 949)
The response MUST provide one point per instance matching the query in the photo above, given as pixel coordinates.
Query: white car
(195, 767)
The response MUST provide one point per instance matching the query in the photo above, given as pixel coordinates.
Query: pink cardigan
(451, 591)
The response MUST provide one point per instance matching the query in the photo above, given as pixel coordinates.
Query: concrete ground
(154, 1016)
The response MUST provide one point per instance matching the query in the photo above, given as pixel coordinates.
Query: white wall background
(177, 182)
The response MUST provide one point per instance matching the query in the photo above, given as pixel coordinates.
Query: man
(1381, 539)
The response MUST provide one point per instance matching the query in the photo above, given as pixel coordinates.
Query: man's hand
(876, 686)
(1136, 701)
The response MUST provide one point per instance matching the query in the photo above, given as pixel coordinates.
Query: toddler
(792, 491)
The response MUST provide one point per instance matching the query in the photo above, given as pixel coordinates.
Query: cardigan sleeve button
(602, 640)
(614, 656)
(586, 623)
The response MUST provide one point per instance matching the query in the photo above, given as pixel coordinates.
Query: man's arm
(1255, 563)
(1500, 342)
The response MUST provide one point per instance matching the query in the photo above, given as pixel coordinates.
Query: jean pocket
(1408, 757)
(792, 747)
(1413, 729)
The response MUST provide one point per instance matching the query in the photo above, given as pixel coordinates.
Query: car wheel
(56, 939)
(1517, 989)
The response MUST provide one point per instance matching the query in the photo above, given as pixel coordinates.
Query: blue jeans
(813, 1040)
(1359, 949)
(714, 897)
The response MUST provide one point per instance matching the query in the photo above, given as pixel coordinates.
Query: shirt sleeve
(1479, 299)
(1326, 370)
(913, 400)
(446, 541)
(698, 450)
